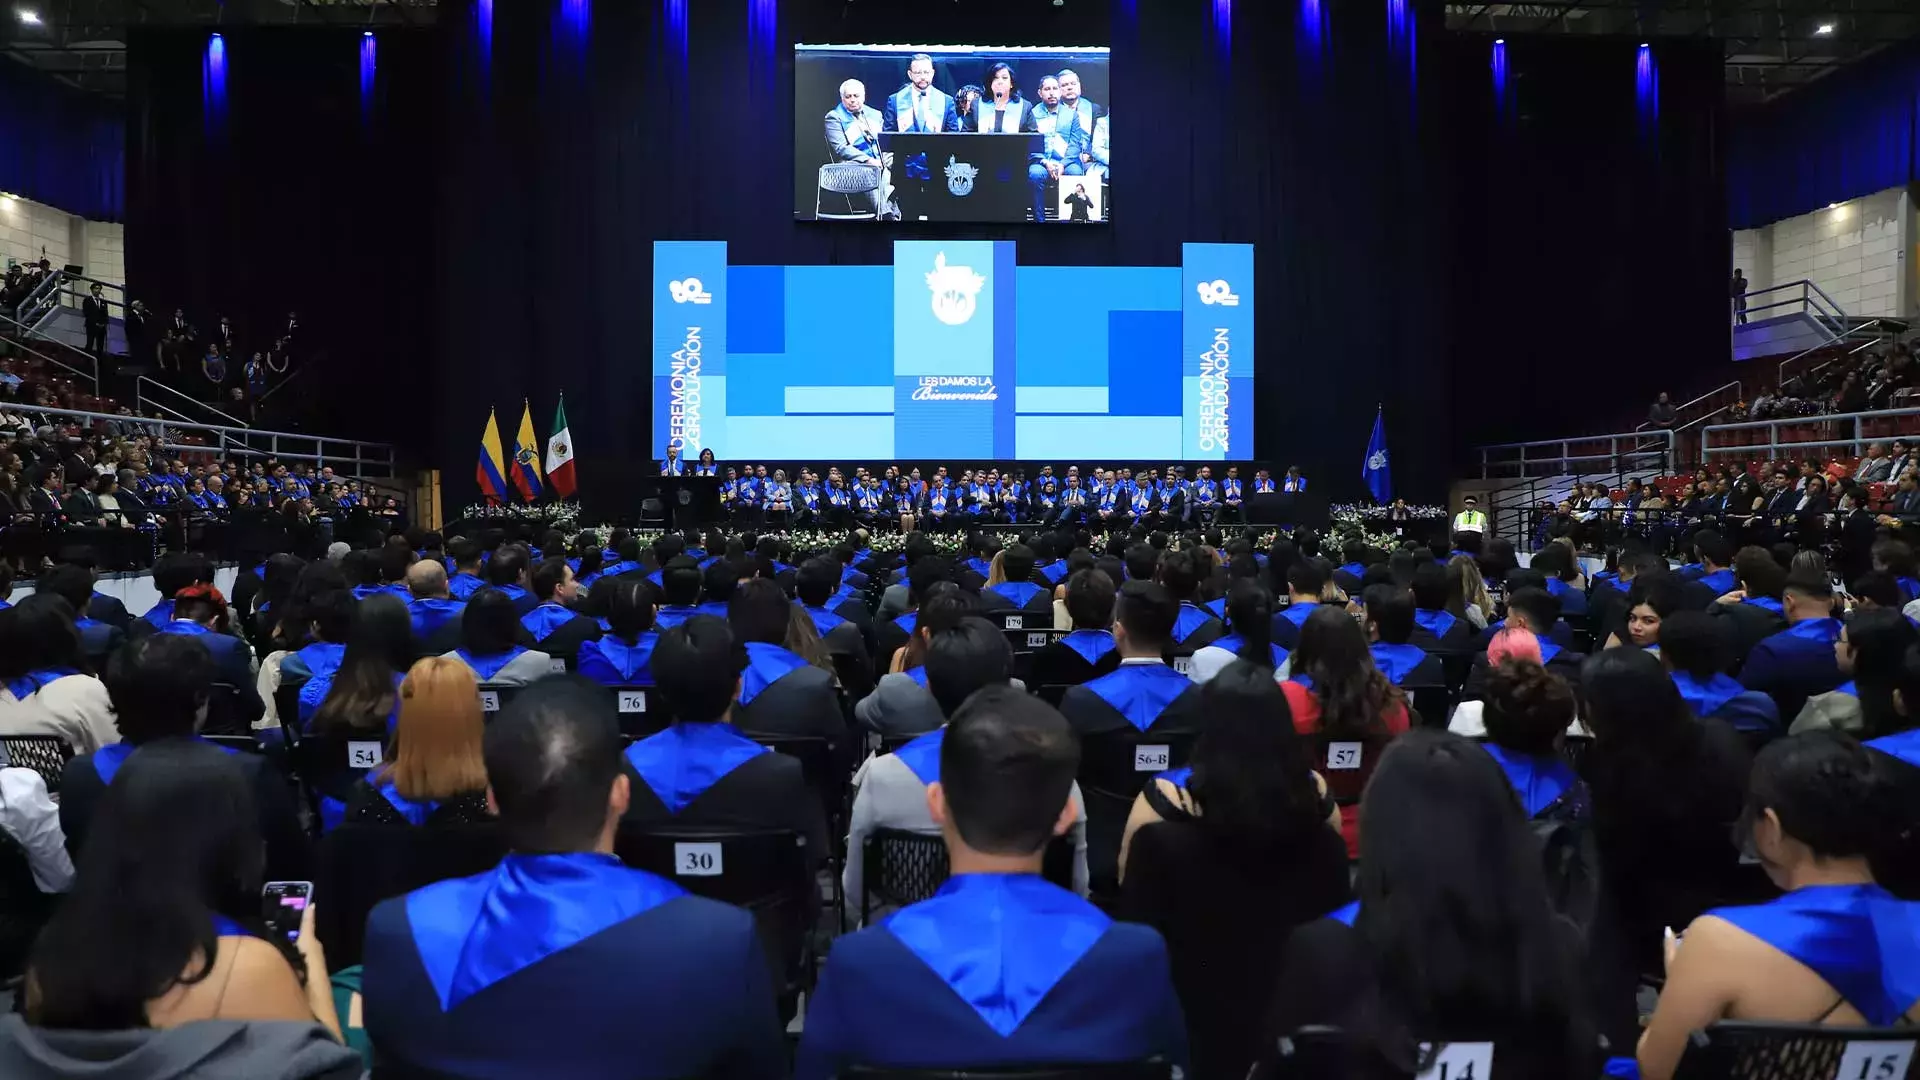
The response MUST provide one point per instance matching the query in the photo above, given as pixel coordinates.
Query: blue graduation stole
(1539, 781)
(1231, 488)
(917, 674)
(1000, 941)
(715, 608)
(1354, 568)
(1140, 692)
(464, 585)
(823, 620)
(1107, 498)
(1190, 619)
(939, 502)
(1396, 662)
(1720, 581)
(1297, 613)
(810, 498)
(1556, 588)
(1849, 688)
(322, 657)
(108, 759)
(29, 684)
(1859, 938)
(922, 755)
(1217, 607)
(1090, 644)
(543, 620)
(225, 927)
(185, 626)
(1904, 745)
(84, 623)
(361, 592)
(1262, 486)
(1233, 643)
(471, 933)
(979, 565)
(1909, 587)
(1706, 696)
(673, 615)
(486, 667)
(416, 813)
(1822, 631)
(1020, 592)
(908, 621)
(160, 614)
(513, 591)
(1203, 492)
(628, 663)
(1435, 622)
(1548, 650)
(1768, 603)
(1179, 777)
(1611, 580)
(681, 763)
(1346, 913)
(766, 665)
(433, 613)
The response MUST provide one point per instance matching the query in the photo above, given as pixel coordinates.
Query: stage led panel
(953, 352)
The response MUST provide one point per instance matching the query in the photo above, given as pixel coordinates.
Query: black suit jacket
(81, 506)
(1058, 665)
(1744, 626)
(801, 702)
(108, 609)
(765, 792)
(95, 313)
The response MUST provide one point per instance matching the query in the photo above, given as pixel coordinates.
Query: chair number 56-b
(696, 860)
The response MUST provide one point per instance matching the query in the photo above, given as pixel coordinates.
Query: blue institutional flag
(1374, 469)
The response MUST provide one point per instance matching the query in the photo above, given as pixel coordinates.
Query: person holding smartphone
(164, 930)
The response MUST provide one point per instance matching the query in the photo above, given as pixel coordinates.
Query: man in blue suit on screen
(1000, 967)
(919, 106)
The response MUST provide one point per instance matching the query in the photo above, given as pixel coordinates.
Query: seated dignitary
(701, 772)
(780, 692)
(1000, 967)
(433, 611)
(892, 788)
(623, 656)
(1835, 949)
(556, 628)
(1088, 651)
(562, 962)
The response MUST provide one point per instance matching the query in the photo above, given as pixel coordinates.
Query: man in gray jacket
(892, 788)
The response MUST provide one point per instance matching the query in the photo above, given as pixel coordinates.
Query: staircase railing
(1624, 451)
(79, 362)
(1803, 294)
(152, 394)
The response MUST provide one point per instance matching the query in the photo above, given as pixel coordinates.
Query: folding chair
(1319, 1053)
(1114, 766)
(360, 865)
(45, 754)
(641, 711)
(826, 770)
(898, 867)
(1750, 1051)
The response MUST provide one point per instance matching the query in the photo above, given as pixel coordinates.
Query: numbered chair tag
(489, 701)
(1183, 665)
(1343, 755)
(1152, 758)
(363, 754)
(1875, 1059)
(632, 701)
(556, 665)
(1016, 622)
(1036, 641)
(696, 860)
(1457, 1061)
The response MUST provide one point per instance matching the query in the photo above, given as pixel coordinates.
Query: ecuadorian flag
(491, 472)
(526, 457)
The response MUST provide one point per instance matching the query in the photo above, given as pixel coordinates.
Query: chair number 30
(1460, 1061)
(1875, 1060)
(697, 860)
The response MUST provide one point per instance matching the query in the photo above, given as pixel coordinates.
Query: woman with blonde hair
(1467, 592)
(434, 773)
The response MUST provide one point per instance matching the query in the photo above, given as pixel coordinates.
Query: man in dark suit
(139, 341)
(454, 972)
(1068, 986)
(1088, 652)
(1904, 513)
(94, 311)
(780, 692)
(702, 772)
(80, 504)
(201, 612)
(557, 629)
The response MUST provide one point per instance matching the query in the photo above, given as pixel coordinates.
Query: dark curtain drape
(562, 169)
(296, 202)
(60, 146)
(1589, 258)
(1852, 133)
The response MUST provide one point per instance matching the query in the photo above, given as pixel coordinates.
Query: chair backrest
(1752, 1051)
(855, 674)
(328, 765)
(24, 909)
(1032, 633)
(1130, 1070)
(223, 712)
(286, 705)
(1117, 764)
(641, 710)
(1346, 764)
(1320, 1053)
(822, 762)
(45, 754)
(246, 744)
(764, 871)
(495, 697)
(898, 867)
(360, 865)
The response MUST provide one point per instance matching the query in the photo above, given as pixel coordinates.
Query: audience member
(455, 972)
(1180, 573)
(1087, 651)
(1305, 583)
(1249, 611)
(200, 611)
(1694, 653)
(1870, 650)
(489, 642)
(1527, 712)
(1337, 695)
(508, 571)
(1798, 662)
(1068, 985)
(1389, 616)
(814, 585)
(432, 610)
(360, 698)
(467, 577)
(435, 774)
(74, 584)
(623, 656)
(556, 629)
(1753, 612)
(780, 693)
(42, 669)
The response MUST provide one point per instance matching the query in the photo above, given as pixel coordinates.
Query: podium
(688, 501)
(987, 181)
(1305, 509)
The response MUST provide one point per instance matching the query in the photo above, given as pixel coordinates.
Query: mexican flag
(560, 454)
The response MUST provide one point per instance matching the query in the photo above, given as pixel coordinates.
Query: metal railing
(353, 457)
(1618, 452)
(1680, 420)
(145, 386)
(1808, 297)
(1876, 331)
(18, 333)
(1828, 431)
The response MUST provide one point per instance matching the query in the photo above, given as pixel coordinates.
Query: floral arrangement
(1370, 524)
(564, 516)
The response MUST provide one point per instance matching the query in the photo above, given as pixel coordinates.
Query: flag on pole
(526, 457)
(491, 470)
(560, 453)
(1375, 470)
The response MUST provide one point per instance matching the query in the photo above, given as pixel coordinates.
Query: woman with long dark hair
(1226, 856)
(1667, 789)
(163, 927)
(1336, 692)
(1249, 634)
(41, 659)
(1836, 949)
(1872, 645)
(1453, 937)
(436, 774)
(490, 633)
(360, 699)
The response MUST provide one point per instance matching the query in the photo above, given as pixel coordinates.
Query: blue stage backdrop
(970, 359)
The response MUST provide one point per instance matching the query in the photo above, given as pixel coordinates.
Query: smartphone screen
(282, 903)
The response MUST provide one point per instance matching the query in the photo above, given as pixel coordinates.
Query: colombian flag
(491, 472)
(526, 457)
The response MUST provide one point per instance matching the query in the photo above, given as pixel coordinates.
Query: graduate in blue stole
(561, 961)
(465, 578)
(781, 693)
(555, 627)
(814, 590)
(1389, 615)
(1695, 655)
(624, 655)
(1018, 592)
(1193, 626)
(1088, 651)
(1799, 661)
(1305, 582)
(1836, 949)
(1000, 967)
